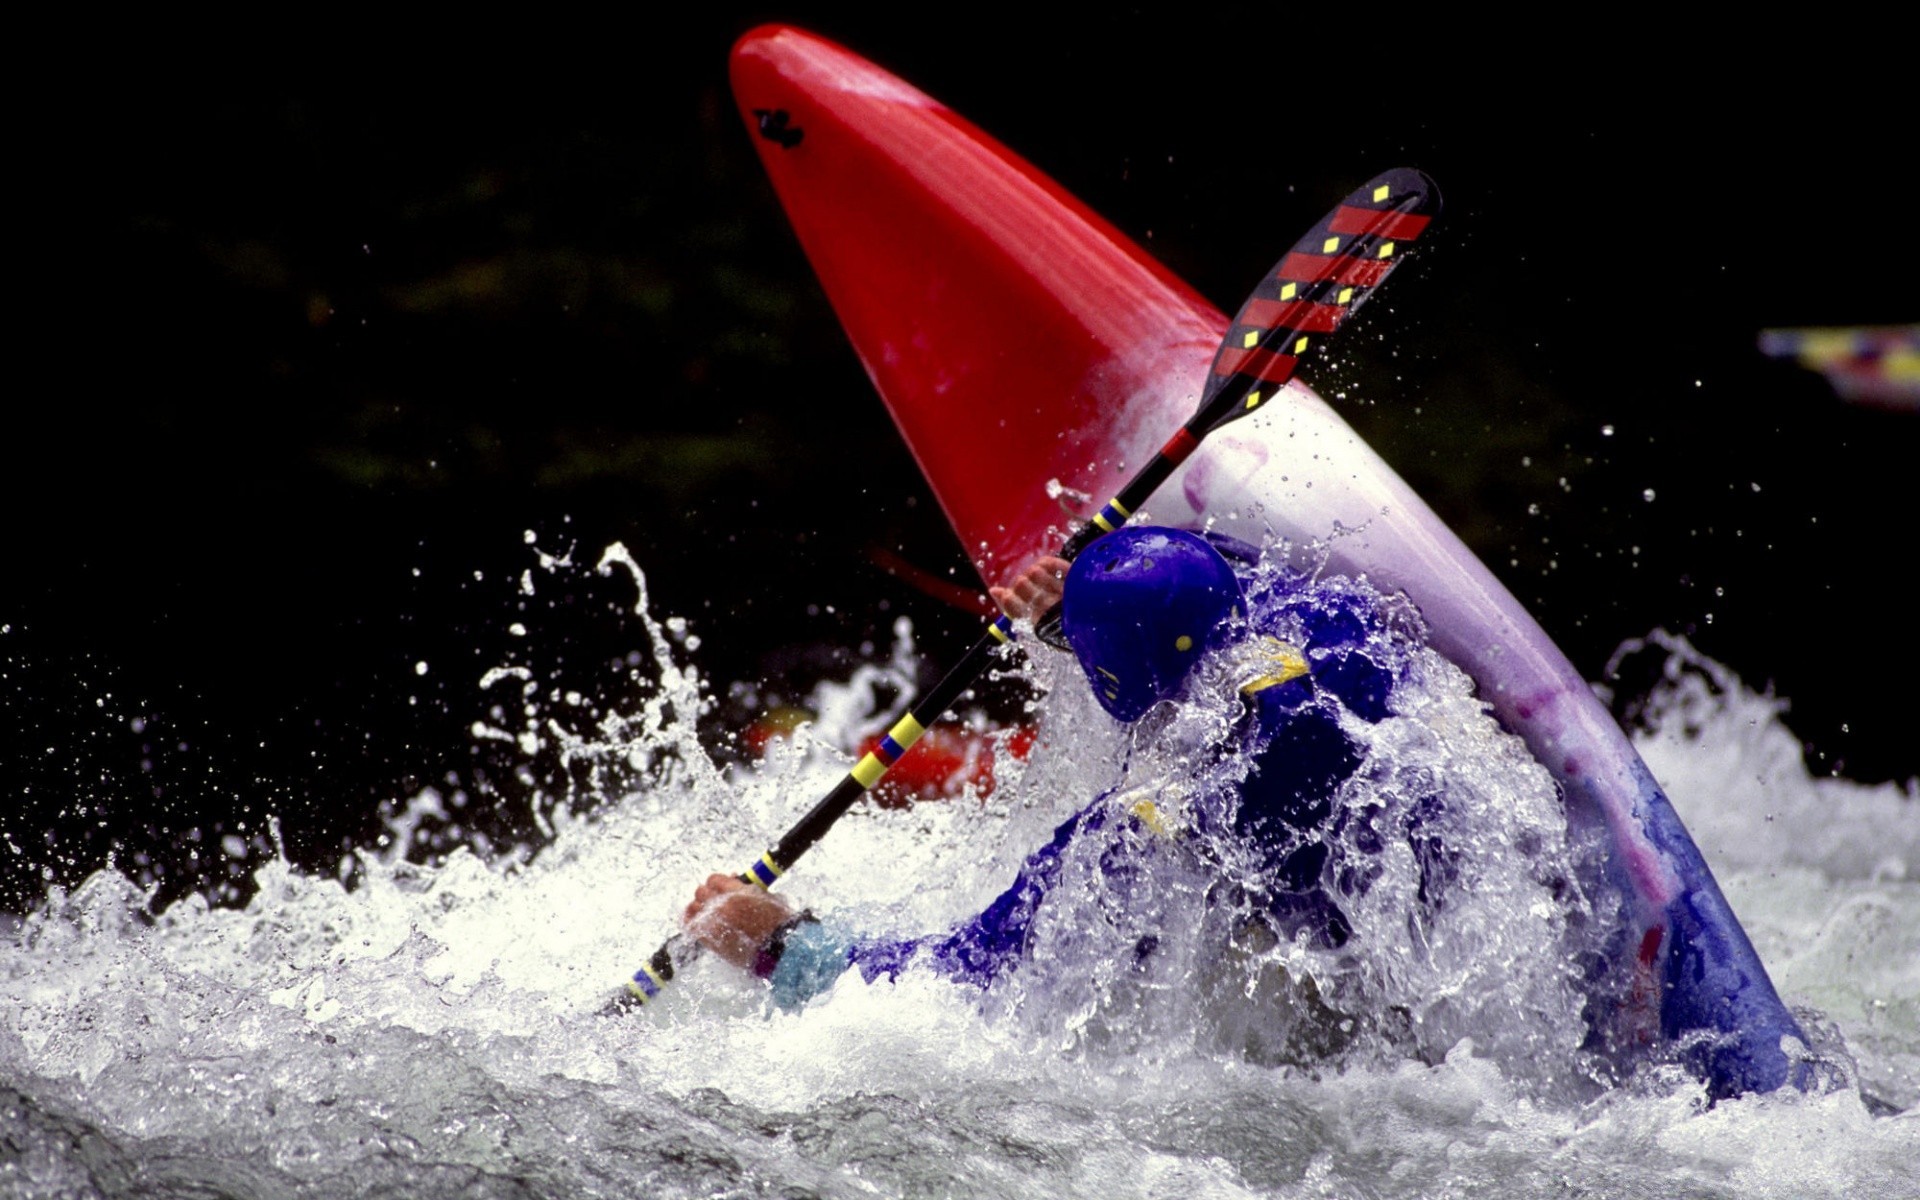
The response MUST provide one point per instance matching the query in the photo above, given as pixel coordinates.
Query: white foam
(433, 1029)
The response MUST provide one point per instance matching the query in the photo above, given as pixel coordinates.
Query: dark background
(305, 351)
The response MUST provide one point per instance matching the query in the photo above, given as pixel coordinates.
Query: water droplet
(1647, 495)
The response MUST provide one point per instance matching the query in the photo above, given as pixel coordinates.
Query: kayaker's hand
(1035, 590)
(733, 919)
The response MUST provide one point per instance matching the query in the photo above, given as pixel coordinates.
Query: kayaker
(1161, 620)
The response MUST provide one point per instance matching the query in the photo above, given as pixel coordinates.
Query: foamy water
(437, 1030)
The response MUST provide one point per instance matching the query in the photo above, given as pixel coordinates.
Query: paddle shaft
(981, 657)
(809, 829)
(1309, 292)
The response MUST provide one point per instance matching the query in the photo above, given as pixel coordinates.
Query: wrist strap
(768, 960)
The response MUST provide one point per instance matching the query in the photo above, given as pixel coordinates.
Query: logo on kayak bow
(774, 127)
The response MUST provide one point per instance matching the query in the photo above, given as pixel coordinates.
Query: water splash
(429, 1025)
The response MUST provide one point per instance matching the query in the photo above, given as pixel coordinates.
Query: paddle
(1309, 293)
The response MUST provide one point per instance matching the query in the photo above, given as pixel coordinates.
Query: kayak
(982, 298)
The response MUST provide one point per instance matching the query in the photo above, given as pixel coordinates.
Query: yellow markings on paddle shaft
(868, 771)
(906, 731)
(1253, 399)
(1381, 193)
(763, 873)
(639, 990)
(1346, 296)
(1251, 340)
(1330, 245)
(1120, 512)
(1386, 249)
(1289, 291)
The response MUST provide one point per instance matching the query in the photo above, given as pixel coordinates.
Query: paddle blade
(1311, 291)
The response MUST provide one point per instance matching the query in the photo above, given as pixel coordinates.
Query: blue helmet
(1141, 606)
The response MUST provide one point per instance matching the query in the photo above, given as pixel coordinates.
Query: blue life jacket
(1139, 646)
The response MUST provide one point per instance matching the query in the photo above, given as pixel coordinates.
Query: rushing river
(437, 1028)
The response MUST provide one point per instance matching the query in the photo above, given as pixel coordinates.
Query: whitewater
(432, 1019)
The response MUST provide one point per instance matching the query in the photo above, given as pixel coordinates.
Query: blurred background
(318, 361)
